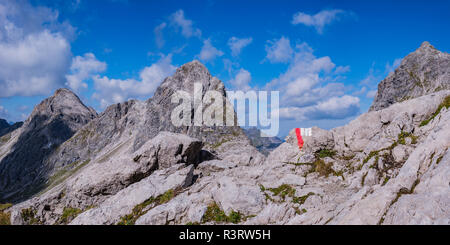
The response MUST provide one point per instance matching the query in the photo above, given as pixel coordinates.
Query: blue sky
(325, 57)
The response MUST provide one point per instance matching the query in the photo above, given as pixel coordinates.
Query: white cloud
(319, 20)
(209, 52)
(109, 91)
(306, 92)
(178, 20)
(33, 65)
(34, 49)
(237, 44)
(159, 39)
(279, 51)
(302, 75)
(342, 69)
(82, 68)
(371, 94)
(332, 108)
(362, 91)
(241, 80)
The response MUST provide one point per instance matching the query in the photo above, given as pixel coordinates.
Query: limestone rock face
(133, 141)
(425, 71)
(128, 166)
(136, 122)
(23, 164)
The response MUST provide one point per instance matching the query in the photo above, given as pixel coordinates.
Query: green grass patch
(192, 223)
(302, 199)
(371, 154)
(215, 214)
(386, 179)
(5, 206)
(140, 210)
(283, 191)
(322, 153)
(363, 179)
(402, 138)
(319, 166)
(5, 218)
(69, 214)
(348, 158)
(445, 103)
(286, 190)
(323, 168)
(29, 216)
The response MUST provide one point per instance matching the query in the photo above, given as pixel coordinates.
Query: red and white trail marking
(299, 138)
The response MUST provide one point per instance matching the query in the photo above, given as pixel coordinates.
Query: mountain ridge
(424, 71)
(130, 165)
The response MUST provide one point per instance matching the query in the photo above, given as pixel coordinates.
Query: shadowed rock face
(425, 71)
(4, 124)
(24, 169)
(6, 128)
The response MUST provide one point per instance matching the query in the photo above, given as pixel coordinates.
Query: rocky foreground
(129, 165)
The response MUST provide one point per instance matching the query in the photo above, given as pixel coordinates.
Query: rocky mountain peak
(51, 123)
(184, 79)
(425, 71)
(63, 102)
(426, 45)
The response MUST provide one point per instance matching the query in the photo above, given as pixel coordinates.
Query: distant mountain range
(264, 144)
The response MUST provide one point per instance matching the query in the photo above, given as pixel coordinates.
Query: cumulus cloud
(307, 90)
(319, 20)
(82, 68)
(209, 52)
(237, 44)
(303, 74)
(109, 91)
(241, 80)
(332, 108)
(279, 51)
(178, 20)
(34, 49)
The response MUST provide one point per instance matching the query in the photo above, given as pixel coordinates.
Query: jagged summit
(63, 102)
(53, 121)
(194, 63)
(184, 79)
(425, 71)
(426, 45)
